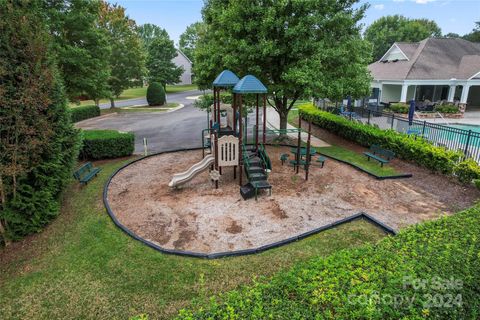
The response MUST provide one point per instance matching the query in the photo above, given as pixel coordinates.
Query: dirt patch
(200, 218)
(234, 227)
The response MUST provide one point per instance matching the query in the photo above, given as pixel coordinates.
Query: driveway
(164, 131)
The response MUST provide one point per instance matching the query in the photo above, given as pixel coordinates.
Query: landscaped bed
(201, 219)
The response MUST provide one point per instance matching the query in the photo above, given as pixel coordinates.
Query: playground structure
(226, 142)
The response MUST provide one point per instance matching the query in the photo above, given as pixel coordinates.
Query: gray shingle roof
(432, 59)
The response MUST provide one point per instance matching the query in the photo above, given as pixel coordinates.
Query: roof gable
(430, 59)
(394, 54)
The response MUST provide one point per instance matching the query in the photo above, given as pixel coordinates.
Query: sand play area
(200, 218)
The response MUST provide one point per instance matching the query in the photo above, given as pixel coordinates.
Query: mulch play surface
(203, 219)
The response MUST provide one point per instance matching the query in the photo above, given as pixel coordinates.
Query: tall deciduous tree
(81, 45)
(127, 59)
(389, 29)
(188, 39)
(299, 48)
(160, 67)
(148, 32)
(38, 144)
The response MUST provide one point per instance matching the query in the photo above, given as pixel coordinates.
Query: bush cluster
(156, 94)
(399, 107)
(417, 150)
(105, 144)
(84, 112)
(429, 271)
(447, 108)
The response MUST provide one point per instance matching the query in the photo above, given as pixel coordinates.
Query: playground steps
(256, 169)
(247, 191)
(257, 176)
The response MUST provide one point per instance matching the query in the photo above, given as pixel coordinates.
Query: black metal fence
(451, 138)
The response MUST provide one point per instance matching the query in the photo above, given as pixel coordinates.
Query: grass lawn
(82, 266)
(140, 92)
(358, 159)
(348, 155)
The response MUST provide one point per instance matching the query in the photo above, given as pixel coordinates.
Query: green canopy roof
(249, 84)
(225, 79)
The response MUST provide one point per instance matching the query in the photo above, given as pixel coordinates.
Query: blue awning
(226, 79)
(249, 84)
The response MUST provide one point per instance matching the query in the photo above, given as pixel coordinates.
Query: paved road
(164, 131)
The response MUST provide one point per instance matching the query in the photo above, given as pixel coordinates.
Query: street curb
(359, 216)
(97, 118)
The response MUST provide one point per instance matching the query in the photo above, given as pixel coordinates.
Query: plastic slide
(181, 178)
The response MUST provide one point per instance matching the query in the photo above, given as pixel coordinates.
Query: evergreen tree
(160, 67)
(38, 143)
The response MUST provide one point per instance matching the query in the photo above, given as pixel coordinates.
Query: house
(181, 60)
(433, 69)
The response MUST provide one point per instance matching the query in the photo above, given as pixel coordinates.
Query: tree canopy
(389, 29)
(148, 32)
(474, 36)
(188, 39)
(297, 49)
(127, 59)
(160, 67)
(81, 46)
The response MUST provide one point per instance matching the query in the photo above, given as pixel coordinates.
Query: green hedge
(428, 271)
(84, 112)
(104, 144)
(417, 150)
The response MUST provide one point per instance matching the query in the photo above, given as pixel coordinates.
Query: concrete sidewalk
(273, 122)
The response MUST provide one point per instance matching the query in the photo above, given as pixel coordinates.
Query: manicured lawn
(82, 266)
(358, 159)
(139, 92)
(348, 155)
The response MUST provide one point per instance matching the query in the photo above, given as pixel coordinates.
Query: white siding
(182, 61)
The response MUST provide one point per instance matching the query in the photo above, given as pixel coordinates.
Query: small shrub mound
(84, 112)
(399, 107)
(417, 150)
(447, 108)
(155, 94)
(104, 144)
(427, 271)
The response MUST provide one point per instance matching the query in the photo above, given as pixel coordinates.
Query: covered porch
(465, 93)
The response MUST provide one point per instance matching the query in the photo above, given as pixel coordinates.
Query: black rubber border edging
(399, 176)
(358, 216)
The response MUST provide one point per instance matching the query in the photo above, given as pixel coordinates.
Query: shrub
(156, 94)
(467, 170)
(104, 144)
(446, 108)
(399, 107)
(429, 271)
(417, 150)
(84, 112)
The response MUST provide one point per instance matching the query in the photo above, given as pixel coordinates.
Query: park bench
(381, 155)
(86, 172)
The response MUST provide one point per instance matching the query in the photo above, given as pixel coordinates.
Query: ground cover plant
(429, 270)
(105, 144)
(82, 266)
(406, 147)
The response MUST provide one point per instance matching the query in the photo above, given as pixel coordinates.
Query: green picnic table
(303, 151)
